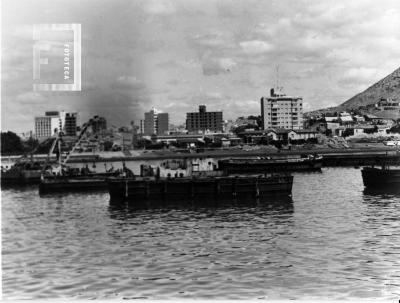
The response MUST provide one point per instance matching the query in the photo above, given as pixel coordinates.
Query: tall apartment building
(204, 121)
(281, 111)
(155, 122)
(71, 123)
(99, 124)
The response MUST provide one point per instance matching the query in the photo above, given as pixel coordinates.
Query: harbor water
(332, 241)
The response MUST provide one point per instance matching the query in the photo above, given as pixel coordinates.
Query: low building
(318, 126)
(362, 129)
(387, 104)
(331, 119)
(346, 120)
(302, 134)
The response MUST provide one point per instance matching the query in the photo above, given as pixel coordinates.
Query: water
(333, 241)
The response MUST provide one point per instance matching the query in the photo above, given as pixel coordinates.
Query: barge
(381, 178)
(183, 188)
(74, 183)
(261, 165)
(22, 173)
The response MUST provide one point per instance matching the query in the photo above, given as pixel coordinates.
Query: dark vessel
(147, 188)
(261, 165)
(381, 178)
(22, 173)
(65, 183)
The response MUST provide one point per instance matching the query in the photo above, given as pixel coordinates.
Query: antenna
(277, 77)
(279, 89)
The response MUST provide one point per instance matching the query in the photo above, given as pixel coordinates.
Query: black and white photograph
(200, 150)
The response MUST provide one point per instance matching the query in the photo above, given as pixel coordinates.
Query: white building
(53, 122)
(281, 111)
(155, 122)
(49, 124)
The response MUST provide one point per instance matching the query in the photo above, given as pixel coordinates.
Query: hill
(388, 87)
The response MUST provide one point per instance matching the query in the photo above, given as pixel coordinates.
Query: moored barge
(262, 165)
(77, 183)
(227, 187)
(381, 178)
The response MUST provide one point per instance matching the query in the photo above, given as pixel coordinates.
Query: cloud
(360, 77)
(159, 7)
(215, 66)
(30, 98)
(127, 82)
(256, 47)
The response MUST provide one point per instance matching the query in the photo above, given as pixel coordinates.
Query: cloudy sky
(177, 54)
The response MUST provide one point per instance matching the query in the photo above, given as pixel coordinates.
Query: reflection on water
(277, 202)
(332, 240)
(382, 191)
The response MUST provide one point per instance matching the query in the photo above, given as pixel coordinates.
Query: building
(155, 122)
(387, 104)
(98, 124)
(71, 123)
(281, 111)
(49, 124)
(204, 121)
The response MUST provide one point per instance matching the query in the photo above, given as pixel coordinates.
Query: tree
(11, 144)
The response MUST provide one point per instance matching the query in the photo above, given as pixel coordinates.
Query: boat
(156, 188)
(266, 164)
(75, 180)
(381, 178)
(22, 173)
(78, 183)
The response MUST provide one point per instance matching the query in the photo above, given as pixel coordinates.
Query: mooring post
(147, 189)
(165, 189)
(234, 187)
(217, 190)
(257, 188)
(191, 188)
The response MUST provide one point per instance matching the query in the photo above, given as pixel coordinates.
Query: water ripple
(334, 240)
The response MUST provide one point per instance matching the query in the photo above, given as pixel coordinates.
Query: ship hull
(198, 188)
(81, 183)
(20, 176)
(381, 178)
(261, 166)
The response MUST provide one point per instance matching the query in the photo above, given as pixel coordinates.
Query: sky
(177, 54)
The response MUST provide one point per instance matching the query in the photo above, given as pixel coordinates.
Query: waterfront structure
(155, 122)
(204, 121)
(281, 111)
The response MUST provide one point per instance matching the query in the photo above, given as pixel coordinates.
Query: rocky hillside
(388, 87)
